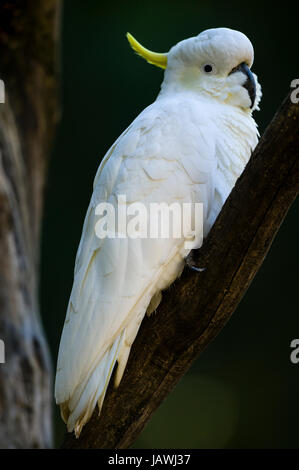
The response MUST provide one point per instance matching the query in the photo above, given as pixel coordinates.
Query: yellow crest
(160, 60)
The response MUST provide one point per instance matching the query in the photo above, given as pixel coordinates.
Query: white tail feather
(79, 408)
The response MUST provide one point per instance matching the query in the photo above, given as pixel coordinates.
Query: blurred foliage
(243, 390)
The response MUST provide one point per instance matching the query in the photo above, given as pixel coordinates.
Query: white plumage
(190, 145)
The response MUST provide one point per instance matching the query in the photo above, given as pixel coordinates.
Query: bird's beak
(249, 84)
(160, 60)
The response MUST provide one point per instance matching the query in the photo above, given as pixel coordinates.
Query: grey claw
(198, 270)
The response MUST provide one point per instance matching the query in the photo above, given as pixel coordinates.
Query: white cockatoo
(190, 146)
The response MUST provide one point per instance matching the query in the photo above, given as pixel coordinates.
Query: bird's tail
(78, 409)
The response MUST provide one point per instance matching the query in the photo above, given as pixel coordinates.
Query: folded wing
(116, 278)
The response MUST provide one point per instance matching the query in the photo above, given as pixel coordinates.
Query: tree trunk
(199, 304)
(28, 37)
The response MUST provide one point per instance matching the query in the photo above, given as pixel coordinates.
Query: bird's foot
(195, 268)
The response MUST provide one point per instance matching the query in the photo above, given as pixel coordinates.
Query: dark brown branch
(195, 309)
(28, 34)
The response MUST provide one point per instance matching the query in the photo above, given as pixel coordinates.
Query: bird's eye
(208, 68)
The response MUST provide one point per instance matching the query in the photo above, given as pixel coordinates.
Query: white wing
(155, 160)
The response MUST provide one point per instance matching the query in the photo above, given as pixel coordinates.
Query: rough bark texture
(28, 33)
(195, 309)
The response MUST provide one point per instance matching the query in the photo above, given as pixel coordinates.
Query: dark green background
(243, 391)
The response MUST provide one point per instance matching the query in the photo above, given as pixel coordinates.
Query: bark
(199, 304)
(28, 37)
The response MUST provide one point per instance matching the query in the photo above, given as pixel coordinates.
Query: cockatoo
(190, 145)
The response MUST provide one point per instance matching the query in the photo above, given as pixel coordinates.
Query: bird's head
(216, 63)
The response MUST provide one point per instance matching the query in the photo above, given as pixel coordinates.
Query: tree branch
(198, 306)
